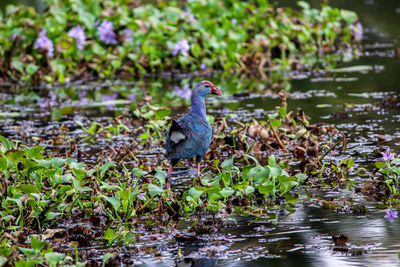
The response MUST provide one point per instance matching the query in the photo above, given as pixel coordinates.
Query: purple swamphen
(190, 136)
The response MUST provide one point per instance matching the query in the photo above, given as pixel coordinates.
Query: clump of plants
(78, 39)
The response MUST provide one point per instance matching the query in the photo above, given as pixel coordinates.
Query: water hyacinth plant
(242, 37)
(106, 32)
(387, 156)
(182, 47)
(389, 171)
(44, 43)
(391, 214)
(78, 33)
(184, 93)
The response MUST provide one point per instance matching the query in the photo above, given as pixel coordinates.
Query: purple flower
(357, 30)
(43, 102)
(142, 196)
(14, 36)
(107, 35)
(132, 97)
(44, 43)
(203, 66)
(182, 46)
(110, 98)
(387, 155)
(51, 100)
(128, 34)
(189, 16)
(234, 21)
(78, 33)
(84, 100)
(391, 214)
(185, 93)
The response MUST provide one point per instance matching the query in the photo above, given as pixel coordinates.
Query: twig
(277, 136)
(139, 210)
(239, 123)
(330, 149)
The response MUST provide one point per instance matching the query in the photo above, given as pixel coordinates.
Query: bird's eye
(207, 86)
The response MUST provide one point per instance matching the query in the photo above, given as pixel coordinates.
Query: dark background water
(304, 238)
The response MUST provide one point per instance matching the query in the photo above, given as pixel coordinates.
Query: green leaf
(303, 4)
(195, 193)
(87, 18)
(57, 162)
(31, 69)
(350, 162)
(35, 152)
(29, 188)
(227, 192)
(107, 256)
(226, 178)
(17, 64)
(155, 190)
(160, 114)
(105, 167)
(249, 189)
(7, 144)
(27, 251)
(301, 177)
(14, 156)
(228, 164)
(109, 234)
(349, 16)
(54, 257)
(380, 164)
(37, 244)
(115, 202)
(271, 161)
(276, 123)
(3, 163)
(51, 215)
(138, 172)
(266, 188)
(282, 111)
(275, 171)
(160, 175)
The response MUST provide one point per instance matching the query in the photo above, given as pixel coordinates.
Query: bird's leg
(198, 159)
(198, 169)
(168, 177)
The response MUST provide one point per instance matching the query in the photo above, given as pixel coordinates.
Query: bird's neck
(198, 105)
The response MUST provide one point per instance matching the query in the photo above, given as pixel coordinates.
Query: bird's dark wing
(176, 135)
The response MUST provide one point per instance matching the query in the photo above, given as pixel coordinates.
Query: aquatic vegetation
(44, 43)
(182, 47)
(388, 171)
(387, 156)
(106, 32)
(391, 215)
(220, 34)
(78, 33)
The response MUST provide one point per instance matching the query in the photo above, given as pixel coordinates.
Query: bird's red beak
(215, 91)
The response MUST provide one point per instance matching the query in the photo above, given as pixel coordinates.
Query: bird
(190, 136)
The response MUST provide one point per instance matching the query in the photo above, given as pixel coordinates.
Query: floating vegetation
(42, 190)
(75, 40)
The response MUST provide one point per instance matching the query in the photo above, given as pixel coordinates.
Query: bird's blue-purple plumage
(190, 136)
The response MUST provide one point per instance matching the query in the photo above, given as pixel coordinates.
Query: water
(304, 238)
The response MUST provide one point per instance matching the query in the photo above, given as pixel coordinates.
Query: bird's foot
(198, 180)
(168, 182)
